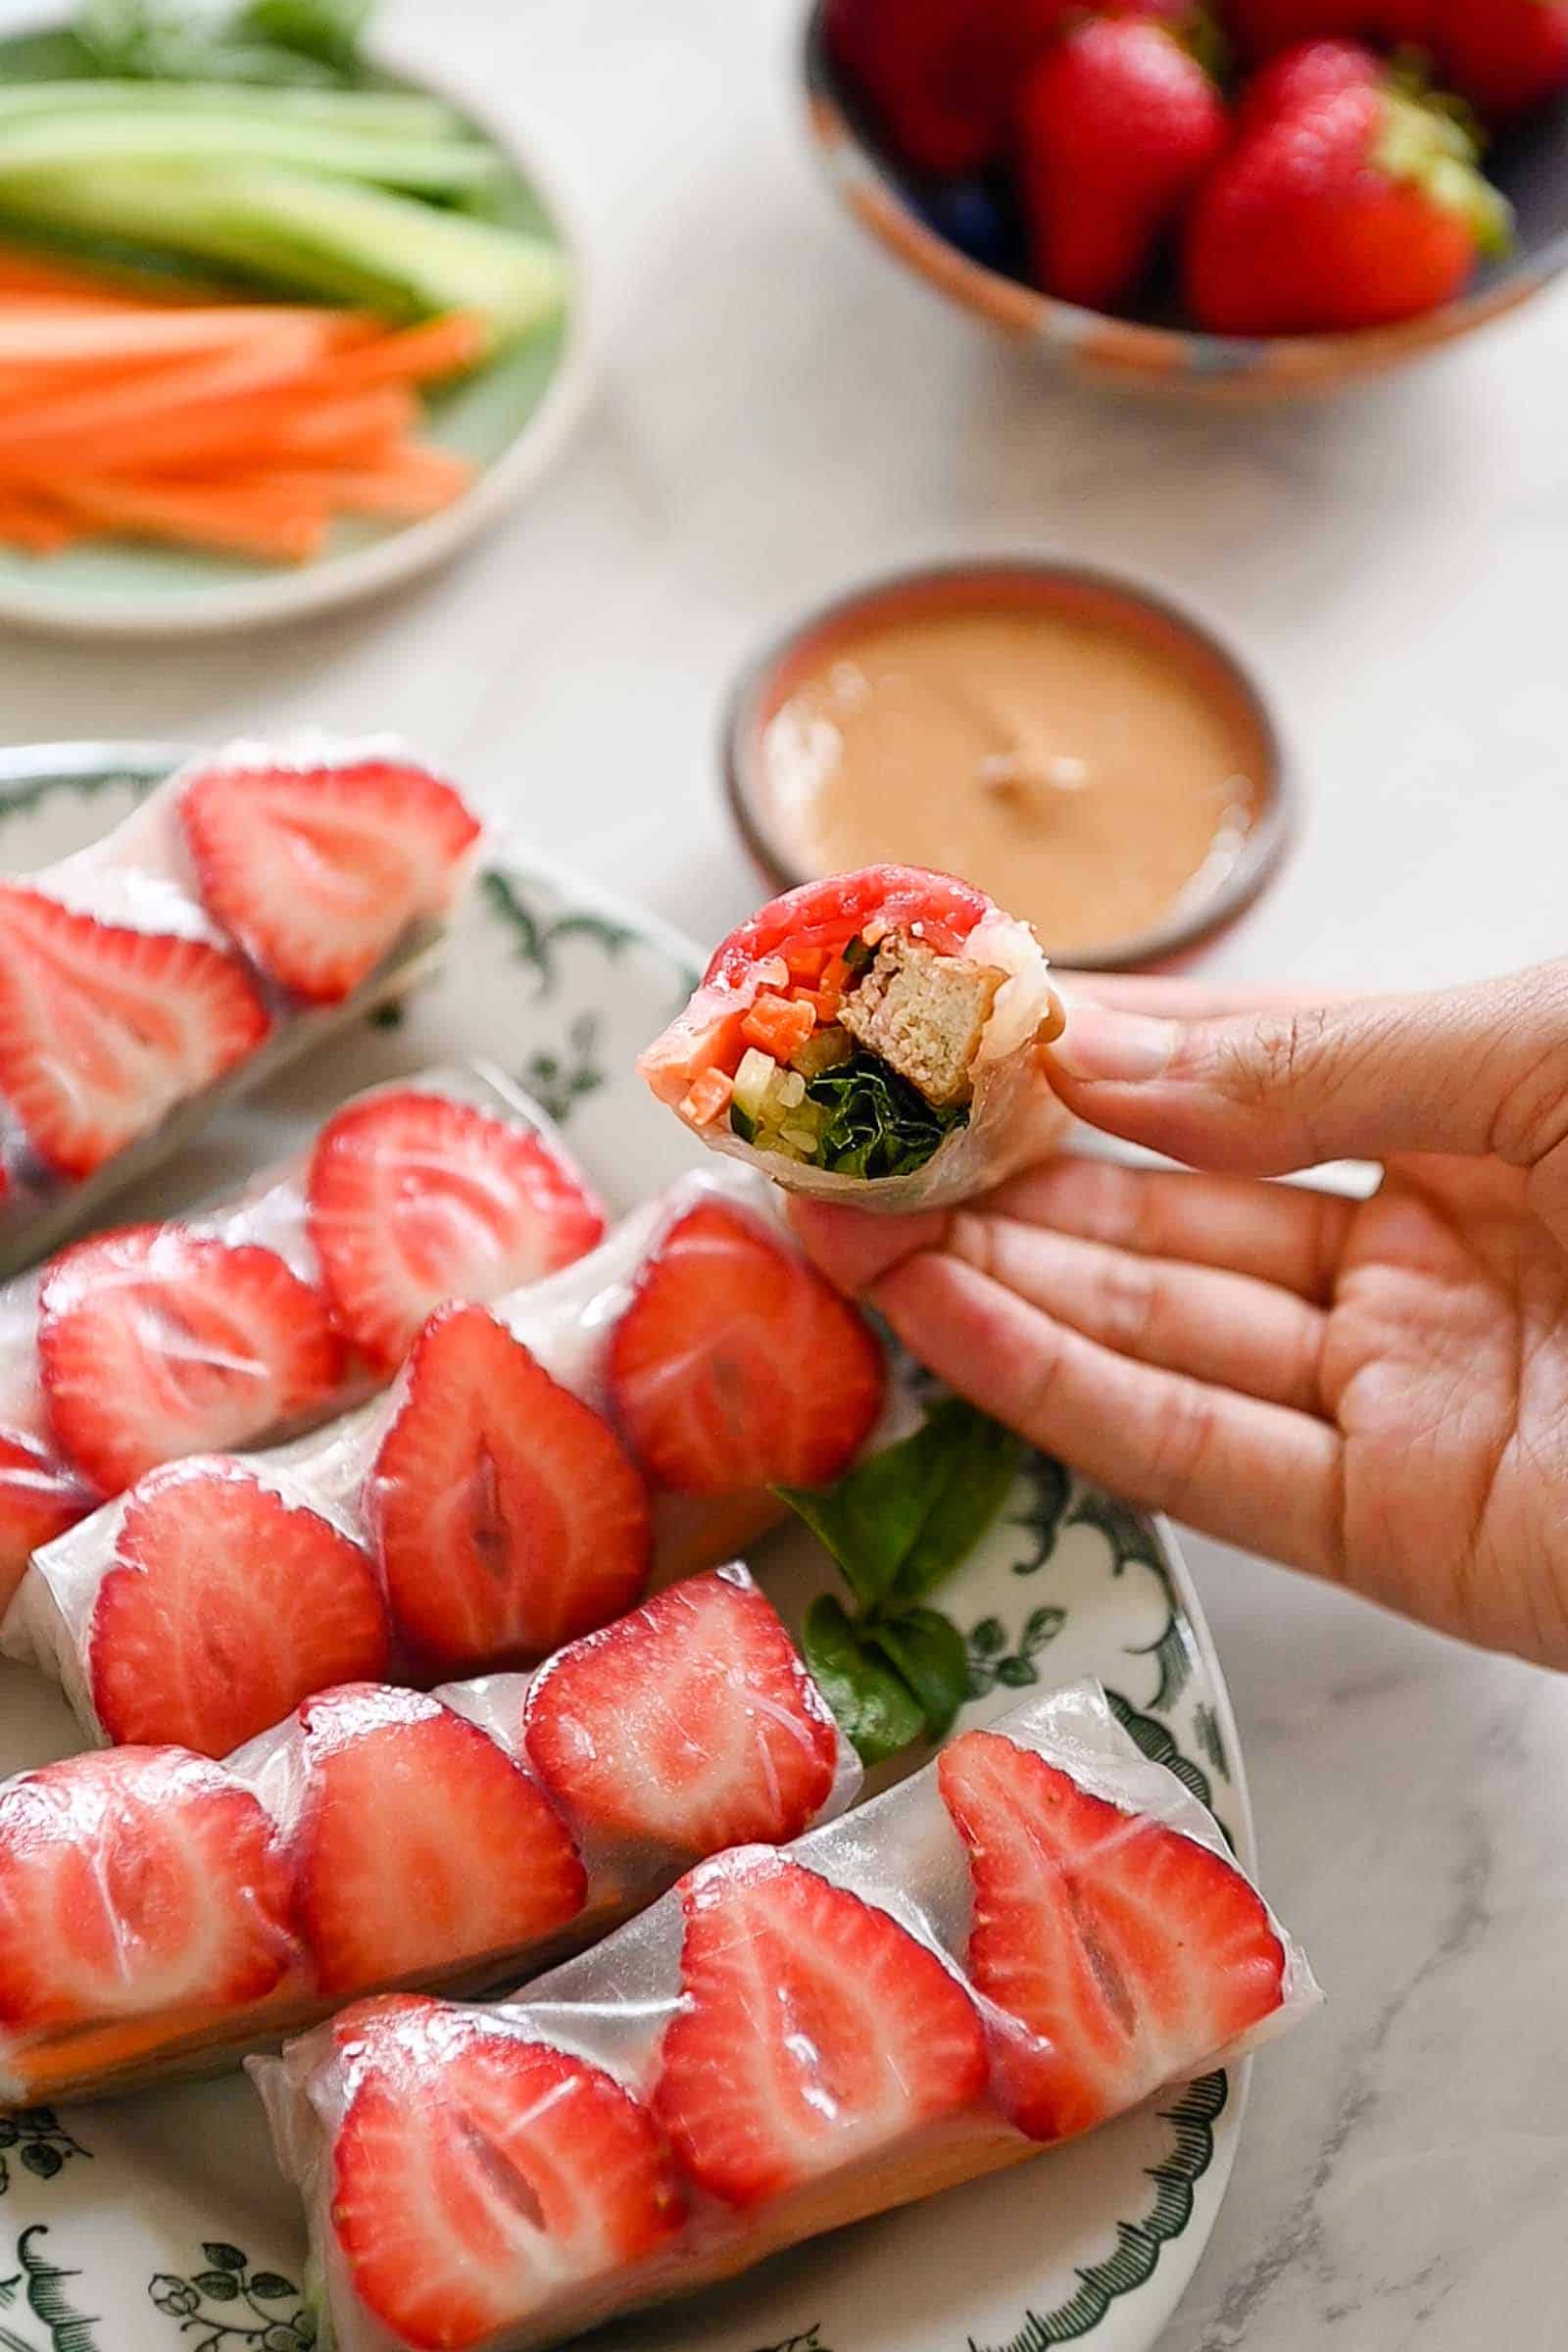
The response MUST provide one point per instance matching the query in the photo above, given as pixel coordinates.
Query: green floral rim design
(222, 2302)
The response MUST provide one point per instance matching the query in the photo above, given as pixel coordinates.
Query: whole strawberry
(1118, 125)
(943, 75)
(1343, 203)
(1506, 57)
(1262, 28)
(940, 75)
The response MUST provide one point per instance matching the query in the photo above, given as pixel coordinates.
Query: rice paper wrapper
(141, 2018)
(140, 878)
(610, 2007)
(566, 1322)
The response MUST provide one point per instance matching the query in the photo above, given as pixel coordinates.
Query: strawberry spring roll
(159, 1912)
(1029, 1937)
(871, 1038)
(534, 1467)
(272, 1311)
(253, 904)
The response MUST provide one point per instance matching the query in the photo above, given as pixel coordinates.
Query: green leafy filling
(877, 1123)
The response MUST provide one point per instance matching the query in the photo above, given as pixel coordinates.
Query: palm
(1445, 1366)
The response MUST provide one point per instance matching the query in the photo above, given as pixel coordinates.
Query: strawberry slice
(225, 1606)
(414, 1198)
(814, 2031)
(421, 1846)
(1126, 1955)
(318, 871)
(104, 1030)
(154, 1344)
(139, 1882)
(507, 1516)
(692, 1723)
(477, 2175)
(737, 1366)
(39, 1499)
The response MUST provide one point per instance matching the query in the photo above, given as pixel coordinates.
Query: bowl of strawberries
(1220, 196)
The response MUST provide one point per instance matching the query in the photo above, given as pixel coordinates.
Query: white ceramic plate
(158, 2225)
(511, 417)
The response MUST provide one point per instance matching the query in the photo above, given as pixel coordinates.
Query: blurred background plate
(511, 416)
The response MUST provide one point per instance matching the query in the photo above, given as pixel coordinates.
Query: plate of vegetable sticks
(278, 329)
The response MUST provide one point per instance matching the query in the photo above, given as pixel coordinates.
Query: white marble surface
(781, 412)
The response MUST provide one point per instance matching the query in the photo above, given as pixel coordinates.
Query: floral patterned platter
(159, 2224)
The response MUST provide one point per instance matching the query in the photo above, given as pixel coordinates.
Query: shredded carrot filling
(707, 1098)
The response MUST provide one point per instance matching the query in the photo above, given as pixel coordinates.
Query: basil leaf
(900, 1522)
(973, 1463)
(878, 1123)
(874, 1706)
(928, 1649)
(327, 30)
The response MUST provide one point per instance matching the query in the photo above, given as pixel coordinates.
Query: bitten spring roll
(271, 1311)
(1027, 1938)
(161, 1911)
(873, 1038)
(255, 902)
(534, 1466)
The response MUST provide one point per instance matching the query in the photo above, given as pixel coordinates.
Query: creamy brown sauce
(1082, 770)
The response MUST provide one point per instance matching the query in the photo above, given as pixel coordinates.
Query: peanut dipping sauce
(1077, 753)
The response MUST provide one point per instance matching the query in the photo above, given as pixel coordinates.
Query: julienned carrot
(249, 430)
(241, 426)
(246, 522)
(36, 526)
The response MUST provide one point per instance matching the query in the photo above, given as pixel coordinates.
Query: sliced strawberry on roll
(1125, 1954)
(104, 1029)
(419, 1846)
(813, 2030)
(138, 1883)
(415, 1197)
(318, 871)
(736, 1365)
(224, 1608)
(155, 1343)
(40, 1496)
(506, 1515)
(691, 1723)
(477, 2175)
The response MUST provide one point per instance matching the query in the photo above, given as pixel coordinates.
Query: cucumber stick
(156, 135)
(332, 238)
(376, 114)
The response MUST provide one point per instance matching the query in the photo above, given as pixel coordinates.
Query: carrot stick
(95, 415)
(46, 273)
(214, 515)
(414, 355)
(29, 524)
(34, 335)
(414, 483)
(248, 432)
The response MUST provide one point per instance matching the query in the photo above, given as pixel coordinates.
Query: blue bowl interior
(981, 215)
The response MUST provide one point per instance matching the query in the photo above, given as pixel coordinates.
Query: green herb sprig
(879, 1124)
(893, 1669)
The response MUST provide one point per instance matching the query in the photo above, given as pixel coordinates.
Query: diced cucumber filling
(855, 1117)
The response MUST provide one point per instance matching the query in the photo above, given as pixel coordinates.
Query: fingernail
(1119, 1048)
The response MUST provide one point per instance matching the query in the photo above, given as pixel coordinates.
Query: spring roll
(873, 1038)
(280, 1308)
(161, 1913)
(1030, 1936)
(533, 1468)
(256, 901)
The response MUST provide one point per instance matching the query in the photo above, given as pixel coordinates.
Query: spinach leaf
(897, 1525)
(874, 1705)
(878, 1123)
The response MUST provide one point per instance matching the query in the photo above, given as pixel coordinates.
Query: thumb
(1470, 1070)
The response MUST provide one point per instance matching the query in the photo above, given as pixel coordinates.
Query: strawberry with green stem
(1346, 201)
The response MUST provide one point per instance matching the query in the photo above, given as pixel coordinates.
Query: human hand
(1374, 1391)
